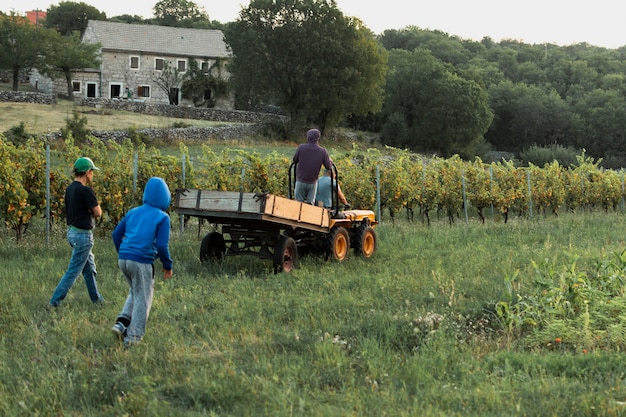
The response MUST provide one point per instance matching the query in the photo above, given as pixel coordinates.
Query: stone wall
(182, 112)
(186, 134)
(27, 97)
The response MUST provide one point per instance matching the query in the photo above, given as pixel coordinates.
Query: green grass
(330, 339)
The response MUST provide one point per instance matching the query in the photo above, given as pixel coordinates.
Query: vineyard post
(622, 190)
(182, 218)
(464, 195)
(491, 187)
(47, 194)
(378, 194)
(530, 196)
(135, 174)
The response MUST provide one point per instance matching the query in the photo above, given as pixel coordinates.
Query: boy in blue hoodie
(142, 236)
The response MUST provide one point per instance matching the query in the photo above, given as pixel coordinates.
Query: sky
(561, 22)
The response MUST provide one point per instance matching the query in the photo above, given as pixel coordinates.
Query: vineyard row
(33, 180)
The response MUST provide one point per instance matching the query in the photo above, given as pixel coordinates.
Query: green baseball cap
(84, 164)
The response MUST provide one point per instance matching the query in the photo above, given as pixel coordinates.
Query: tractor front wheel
(365, 241)
(338, 243)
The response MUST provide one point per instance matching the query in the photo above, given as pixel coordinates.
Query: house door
(91, 90)
(174, 96)
(116, 90)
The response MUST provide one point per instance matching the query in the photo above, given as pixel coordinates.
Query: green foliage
(21, 45)
(76, 128)
(17, 134)
(68, 17)
(431, 109)
(542, 155)
(203, 87)
(569, 308)
(67, 54)
(179, 13)
(306, 57)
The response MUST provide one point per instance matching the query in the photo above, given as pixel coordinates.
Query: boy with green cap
(81, 210)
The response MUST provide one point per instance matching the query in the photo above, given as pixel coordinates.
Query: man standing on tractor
(309, 158)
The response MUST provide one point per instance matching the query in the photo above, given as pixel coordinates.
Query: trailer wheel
(338, 243)
(212, 247)
(365, 241)
(285, 254)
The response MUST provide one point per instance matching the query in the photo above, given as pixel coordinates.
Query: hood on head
(157, 193)
(313, 135)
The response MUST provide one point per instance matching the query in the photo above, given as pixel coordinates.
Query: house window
(205, 67)
(181, 65)
(76, 86)
(143, 91)
(134, 62)
(159, 64)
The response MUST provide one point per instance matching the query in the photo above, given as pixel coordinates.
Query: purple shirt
(310, 157)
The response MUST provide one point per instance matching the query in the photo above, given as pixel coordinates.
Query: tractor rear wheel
(285, 254)
(212, 247)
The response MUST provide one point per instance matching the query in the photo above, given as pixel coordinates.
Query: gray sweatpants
(136, 309)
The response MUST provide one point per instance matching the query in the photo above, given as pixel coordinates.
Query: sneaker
(119, 330)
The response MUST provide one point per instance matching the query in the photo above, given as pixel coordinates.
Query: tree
(203, 86)
(69, 16)
(66, 54)
(442, 112)
(169, 80)
(527, 115)
(308, 58)
(179, 13)
(21, 45)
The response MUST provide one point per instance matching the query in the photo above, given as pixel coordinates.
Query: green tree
(67, 54)
(203, 86)
(527, 115)
(179, 13)
(70, 16)
(442, 112)
(21, 45)
(307, 57)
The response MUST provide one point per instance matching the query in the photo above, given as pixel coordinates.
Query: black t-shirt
(79, 199)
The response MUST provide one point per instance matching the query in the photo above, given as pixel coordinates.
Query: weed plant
(411, 332)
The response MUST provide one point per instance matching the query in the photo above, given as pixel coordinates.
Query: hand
(346, 206)
(167, 273)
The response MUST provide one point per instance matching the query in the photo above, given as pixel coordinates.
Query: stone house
(133, 60)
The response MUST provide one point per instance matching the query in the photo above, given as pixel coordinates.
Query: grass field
(410, 332)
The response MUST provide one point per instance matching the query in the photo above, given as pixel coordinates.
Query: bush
(77, 126)
(17, 134)
(539, 155)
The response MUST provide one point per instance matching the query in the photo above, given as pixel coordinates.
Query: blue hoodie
(144, 233)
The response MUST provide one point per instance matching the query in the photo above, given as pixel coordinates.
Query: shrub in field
(573, 308)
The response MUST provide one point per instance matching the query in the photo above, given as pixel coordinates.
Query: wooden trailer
(274, 227)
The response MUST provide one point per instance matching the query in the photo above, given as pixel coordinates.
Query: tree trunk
(68, 79)
(16, 78)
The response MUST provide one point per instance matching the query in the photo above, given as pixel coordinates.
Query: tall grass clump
(418, 329)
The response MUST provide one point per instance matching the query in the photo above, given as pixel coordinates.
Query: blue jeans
(82, 261)
(140, 278)
(305, 192)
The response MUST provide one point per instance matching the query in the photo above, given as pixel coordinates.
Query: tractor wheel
(365, 241)
(338, 243)
(212, 247)
(285, 255)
